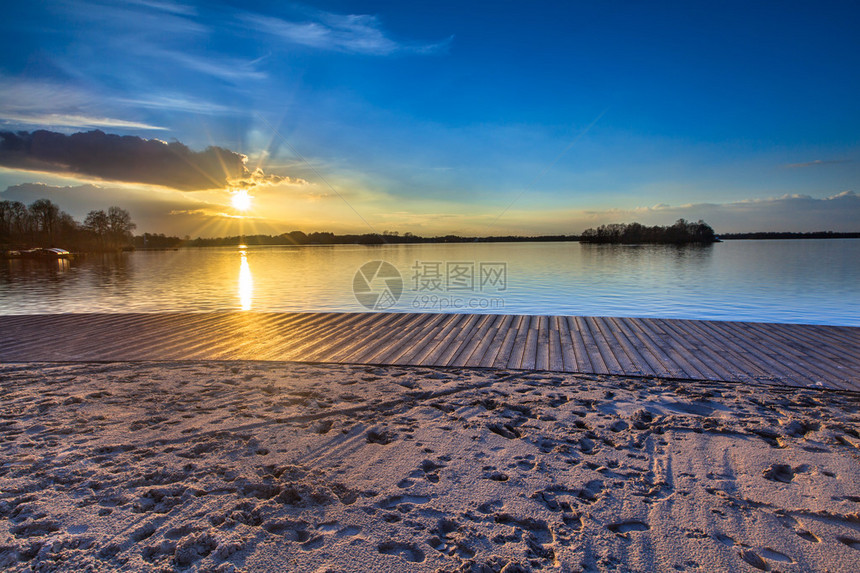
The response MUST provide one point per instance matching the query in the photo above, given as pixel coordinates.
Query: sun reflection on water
(246, 283)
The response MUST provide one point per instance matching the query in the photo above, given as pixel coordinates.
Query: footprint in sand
(590, 491)
(489, 507)
(774, 555)
(35, 528)
(791, 523)
(850, 542)
(525, 463)
(753, 559)
(407, 551)
(505, 430)
(380, 436)
(624, 527)
(402, 502)
(574, 521)
(431, 470)
(335, 528)
(779, 472)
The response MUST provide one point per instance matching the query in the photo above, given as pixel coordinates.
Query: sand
(265, 466)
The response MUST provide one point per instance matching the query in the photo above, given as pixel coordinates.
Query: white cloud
(351, 33)
(164, 6)
(57, 120)
(42, 103)
(178, 102)
(229, 69)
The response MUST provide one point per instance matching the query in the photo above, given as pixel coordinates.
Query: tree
(46, 215)
(19, 219)
(120, 226)
(67, 228)
(682, 232)
(97, 223)
(5, 219)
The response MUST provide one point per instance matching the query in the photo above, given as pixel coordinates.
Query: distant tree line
(325, 238)
(682, 232)
(783, 235)
(44, 224)
(156, 241)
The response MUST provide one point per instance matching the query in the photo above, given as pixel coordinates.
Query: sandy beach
(275, 466)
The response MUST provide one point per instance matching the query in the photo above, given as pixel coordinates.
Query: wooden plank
(485, 354)
(556, 358)
(375, 328)
(232, 336)
(298, 335)
(568, 354)
(225, 338)
(440, 342)
(779, 355)
(591, 350)
(735, 358)
(650, 360)
(654, 346)
(717, 359)
(95, 336)
(401, 333)
(844, 336)
(630, 362)
(145, 335)
(814, 343)
(324, 345)
(531, 347)
(811, 355)
(688, 347)
(477, 343)
(693, 345)
(751, 350)
(583, 360)
(464, 335)
(430, 341)
(542, 354)
(412, 336)
(449, 345)
(515, 359)
(379, 336)
(603, 346)
(503, 355)
(668, 344)
(254, 336)
(157, 337)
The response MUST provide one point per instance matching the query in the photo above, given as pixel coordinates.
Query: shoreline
(247, 466)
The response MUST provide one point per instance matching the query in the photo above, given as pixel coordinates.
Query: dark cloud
(130, 159)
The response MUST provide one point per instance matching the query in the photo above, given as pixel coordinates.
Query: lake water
(797, 281)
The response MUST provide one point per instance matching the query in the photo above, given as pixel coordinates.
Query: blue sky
(452, 117)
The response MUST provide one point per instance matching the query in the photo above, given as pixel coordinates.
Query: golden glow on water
(246, 283)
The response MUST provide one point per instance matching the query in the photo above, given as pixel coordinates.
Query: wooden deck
(787, 354)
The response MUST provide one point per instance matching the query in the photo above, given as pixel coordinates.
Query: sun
(241, 200)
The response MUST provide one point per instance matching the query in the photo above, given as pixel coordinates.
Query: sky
(468, 118)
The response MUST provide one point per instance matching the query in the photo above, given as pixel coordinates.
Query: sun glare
(241, 200)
